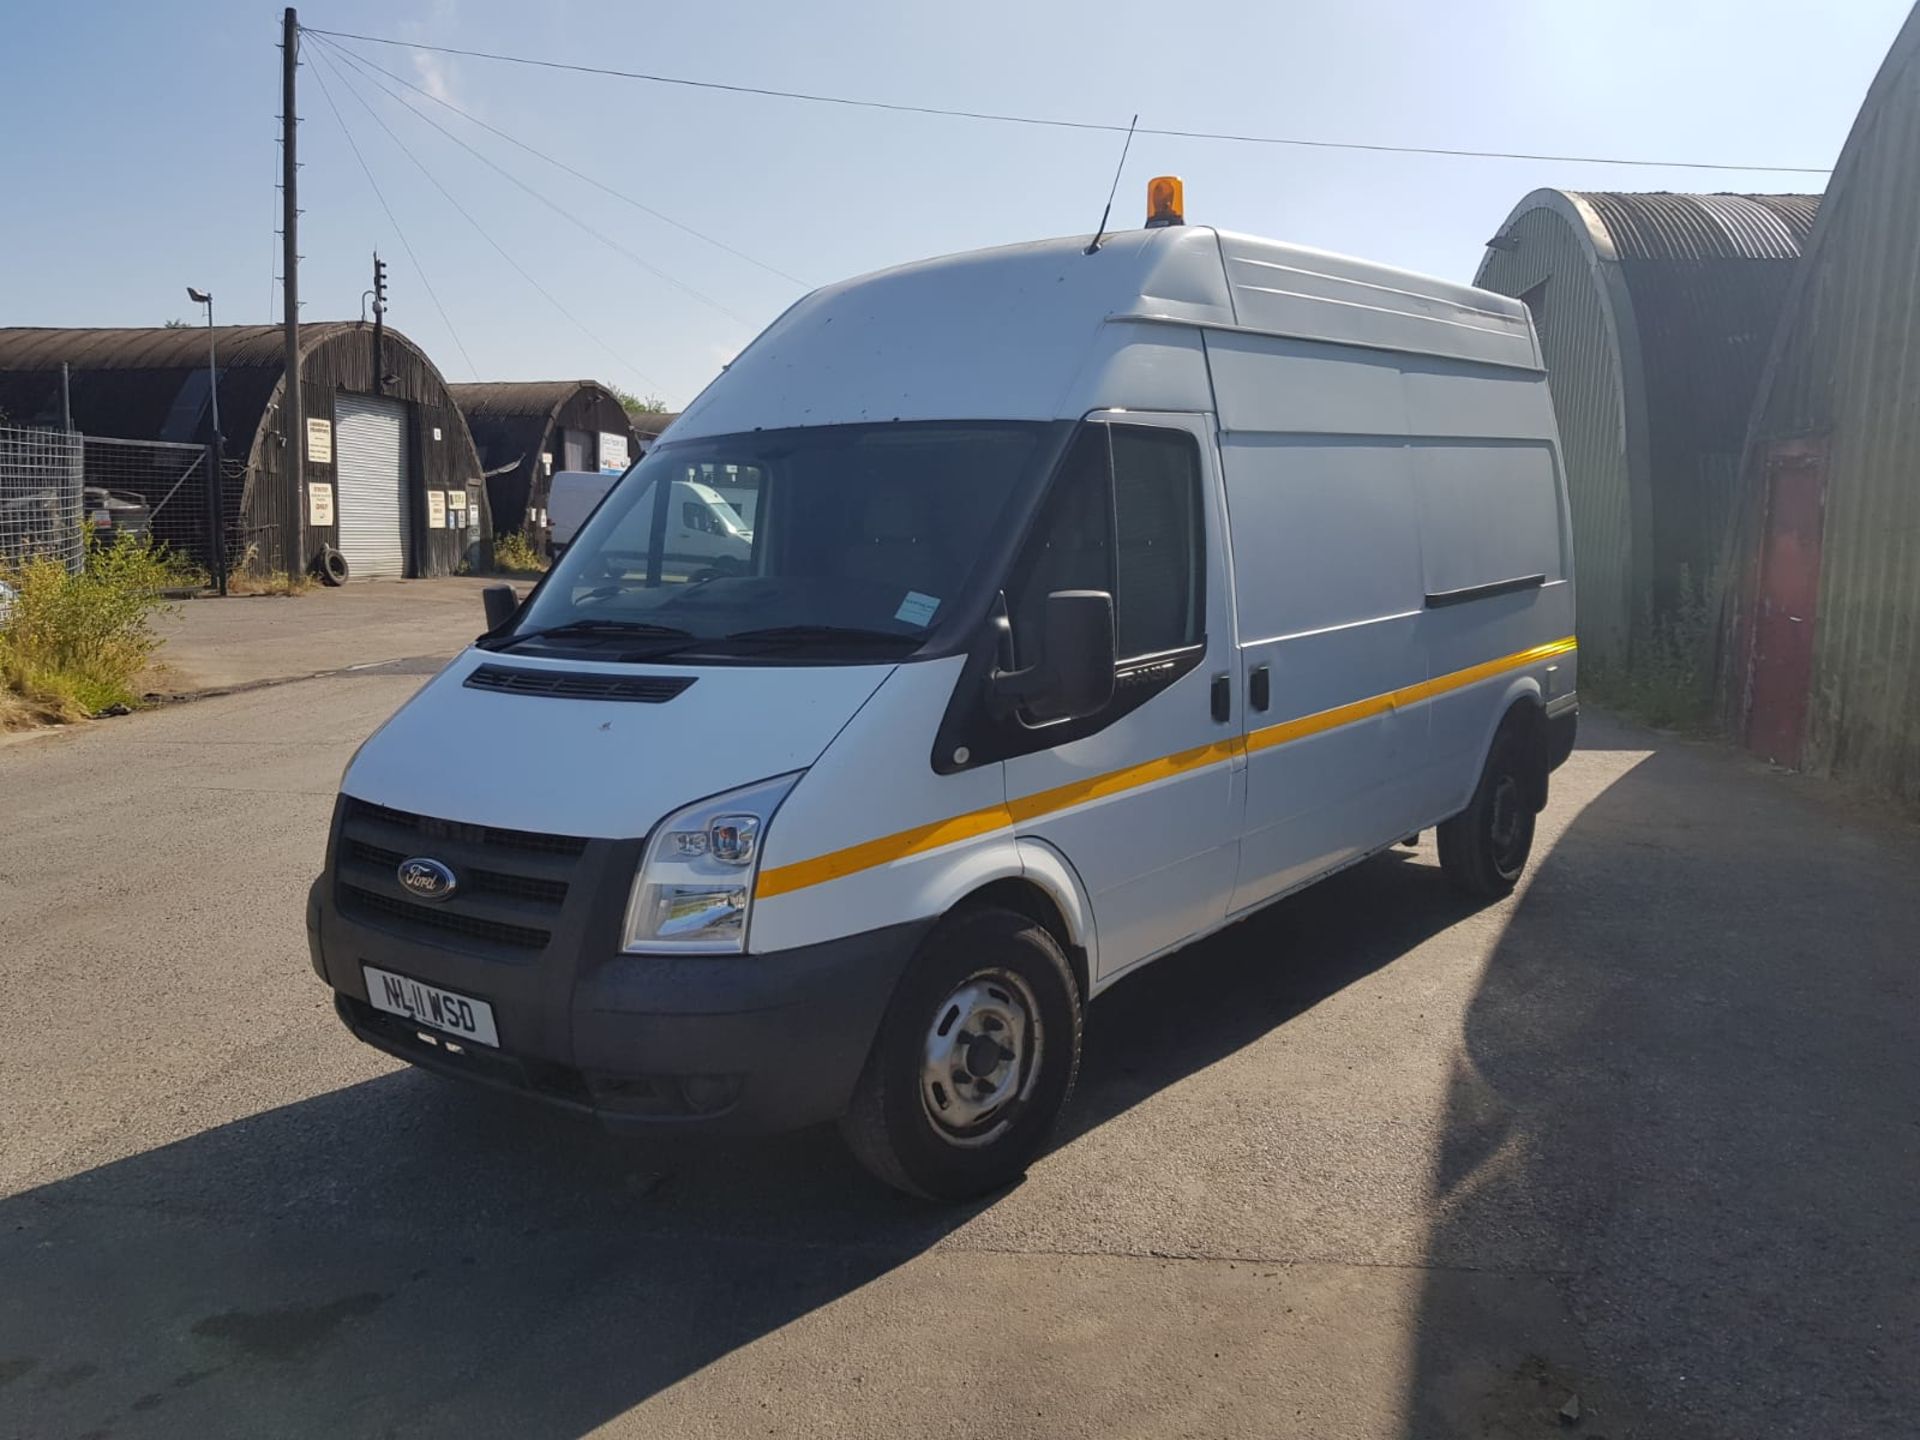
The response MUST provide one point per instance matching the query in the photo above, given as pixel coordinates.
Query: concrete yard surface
(1374, 1164)
(215, 643)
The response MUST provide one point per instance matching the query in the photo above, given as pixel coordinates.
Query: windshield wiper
(593, 627)
(825, 635)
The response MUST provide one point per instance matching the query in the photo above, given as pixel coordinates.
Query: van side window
(1124, 517)
(1156, 504)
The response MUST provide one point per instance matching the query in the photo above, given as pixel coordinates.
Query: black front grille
(490, 835)
(510, 890)
(578, 684)
(358, 902)
(472, 880)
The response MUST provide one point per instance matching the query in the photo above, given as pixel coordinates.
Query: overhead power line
(433, 180)
(560, 164)
(1057, 124)
(394, 221)
(548, 201)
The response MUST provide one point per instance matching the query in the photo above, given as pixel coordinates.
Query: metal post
(216, 519)
(66, 400)
(379, 325)
(291, 411)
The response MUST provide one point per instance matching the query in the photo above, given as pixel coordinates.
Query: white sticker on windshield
(917, 609)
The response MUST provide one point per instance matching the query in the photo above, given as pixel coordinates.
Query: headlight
(694, 889)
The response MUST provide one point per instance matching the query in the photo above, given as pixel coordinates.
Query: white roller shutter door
(369, 447)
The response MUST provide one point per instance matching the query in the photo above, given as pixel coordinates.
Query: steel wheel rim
(1509, 825)
(980, 1057)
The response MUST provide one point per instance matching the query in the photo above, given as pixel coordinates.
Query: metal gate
(369, 443)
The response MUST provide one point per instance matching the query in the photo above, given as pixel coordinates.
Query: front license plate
(460, 1015)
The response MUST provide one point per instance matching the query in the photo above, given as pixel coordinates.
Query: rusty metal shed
(527, 429)
(1823, 664)
(389, 465)
(1654, 313)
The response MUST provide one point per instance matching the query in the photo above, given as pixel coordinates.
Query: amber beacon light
(1166, 201)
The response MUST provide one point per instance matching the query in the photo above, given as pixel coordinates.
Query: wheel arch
(1048, 893)
(1523, 709)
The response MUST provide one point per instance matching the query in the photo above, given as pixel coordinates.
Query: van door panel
(1327, 564)
(1148, 808)
(1490, 512)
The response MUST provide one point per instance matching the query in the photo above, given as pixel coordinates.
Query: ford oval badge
(427, 879)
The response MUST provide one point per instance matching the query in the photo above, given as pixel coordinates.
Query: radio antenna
(1095, 246)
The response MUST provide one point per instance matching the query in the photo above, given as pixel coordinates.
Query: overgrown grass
(72, 645)
(1669, 684)
(243, 579)
(516, 554)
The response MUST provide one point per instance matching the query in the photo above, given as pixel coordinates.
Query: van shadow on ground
(407, 1256)
(1689, 1095)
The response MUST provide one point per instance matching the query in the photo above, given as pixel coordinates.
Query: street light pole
(216, 449)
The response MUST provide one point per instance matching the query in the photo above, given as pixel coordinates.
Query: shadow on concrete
(1688, 1108)
(405, 1255)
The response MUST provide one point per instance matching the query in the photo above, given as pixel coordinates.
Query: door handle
(1222, 698)
(1260, 687)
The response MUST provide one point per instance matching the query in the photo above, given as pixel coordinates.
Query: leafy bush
(1669, 683)
(72, 645)
(516, 554)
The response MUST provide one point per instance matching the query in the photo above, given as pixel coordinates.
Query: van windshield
(854, 542)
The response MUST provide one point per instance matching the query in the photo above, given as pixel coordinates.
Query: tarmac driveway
(1375, 1164)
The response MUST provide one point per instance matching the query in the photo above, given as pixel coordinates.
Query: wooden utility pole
(292, 413)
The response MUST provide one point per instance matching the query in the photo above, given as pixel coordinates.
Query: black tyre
(331, 566)
(974, 1060)
(1484, 848)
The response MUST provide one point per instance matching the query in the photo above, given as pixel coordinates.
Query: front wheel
(1484, 848)
(976, 1057)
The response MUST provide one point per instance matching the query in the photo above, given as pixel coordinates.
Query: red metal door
(1781, 675)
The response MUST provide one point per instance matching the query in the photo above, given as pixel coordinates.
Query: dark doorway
(1781, 669)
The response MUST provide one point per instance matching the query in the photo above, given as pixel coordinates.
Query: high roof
(1046, 331)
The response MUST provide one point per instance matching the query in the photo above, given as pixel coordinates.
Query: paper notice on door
(319, 503)
(436, 509)
(917, 609)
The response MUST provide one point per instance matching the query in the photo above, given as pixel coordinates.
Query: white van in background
(703, 531)
(1095, 597)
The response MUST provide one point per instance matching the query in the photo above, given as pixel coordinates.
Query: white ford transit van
(1091, 602)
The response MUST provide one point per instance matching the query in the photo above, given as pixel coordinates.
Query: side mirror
(1074, 675)
(501, 602)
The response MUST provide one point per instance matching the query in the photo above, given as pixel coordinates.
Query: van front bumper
(645, 1044)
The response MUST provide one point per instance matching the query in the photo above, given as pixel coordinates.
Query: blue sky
(137, 140)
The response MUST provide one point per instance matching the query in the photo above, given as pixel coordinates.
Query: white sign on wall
(613, 451)
(319, 503)
(320, 441)
(436, 509)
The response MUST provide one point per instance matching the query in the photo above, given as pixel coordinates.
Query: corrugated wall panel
(1848, 365)
(1583, 372)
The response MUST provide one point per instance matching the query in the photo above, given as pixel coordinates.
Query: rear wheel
(976, 1057)
(1484, 848)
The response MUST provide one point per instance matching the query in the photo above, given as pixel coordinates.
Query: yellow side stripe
(921, 838)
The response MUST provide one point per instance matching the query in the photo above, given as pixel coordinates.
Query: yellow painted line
(1079, 792)
(883, 851)
(886, 849)
(1323, 720)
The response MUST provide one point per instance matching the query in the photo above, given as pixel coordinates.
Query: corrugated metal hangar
(1823, 664)
(390, 477)
(1654, 313)
(527, 429)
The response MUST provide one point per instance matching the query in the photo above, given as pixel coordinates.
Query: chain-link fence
(42, 476)
(53, 484)
(159, 488)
